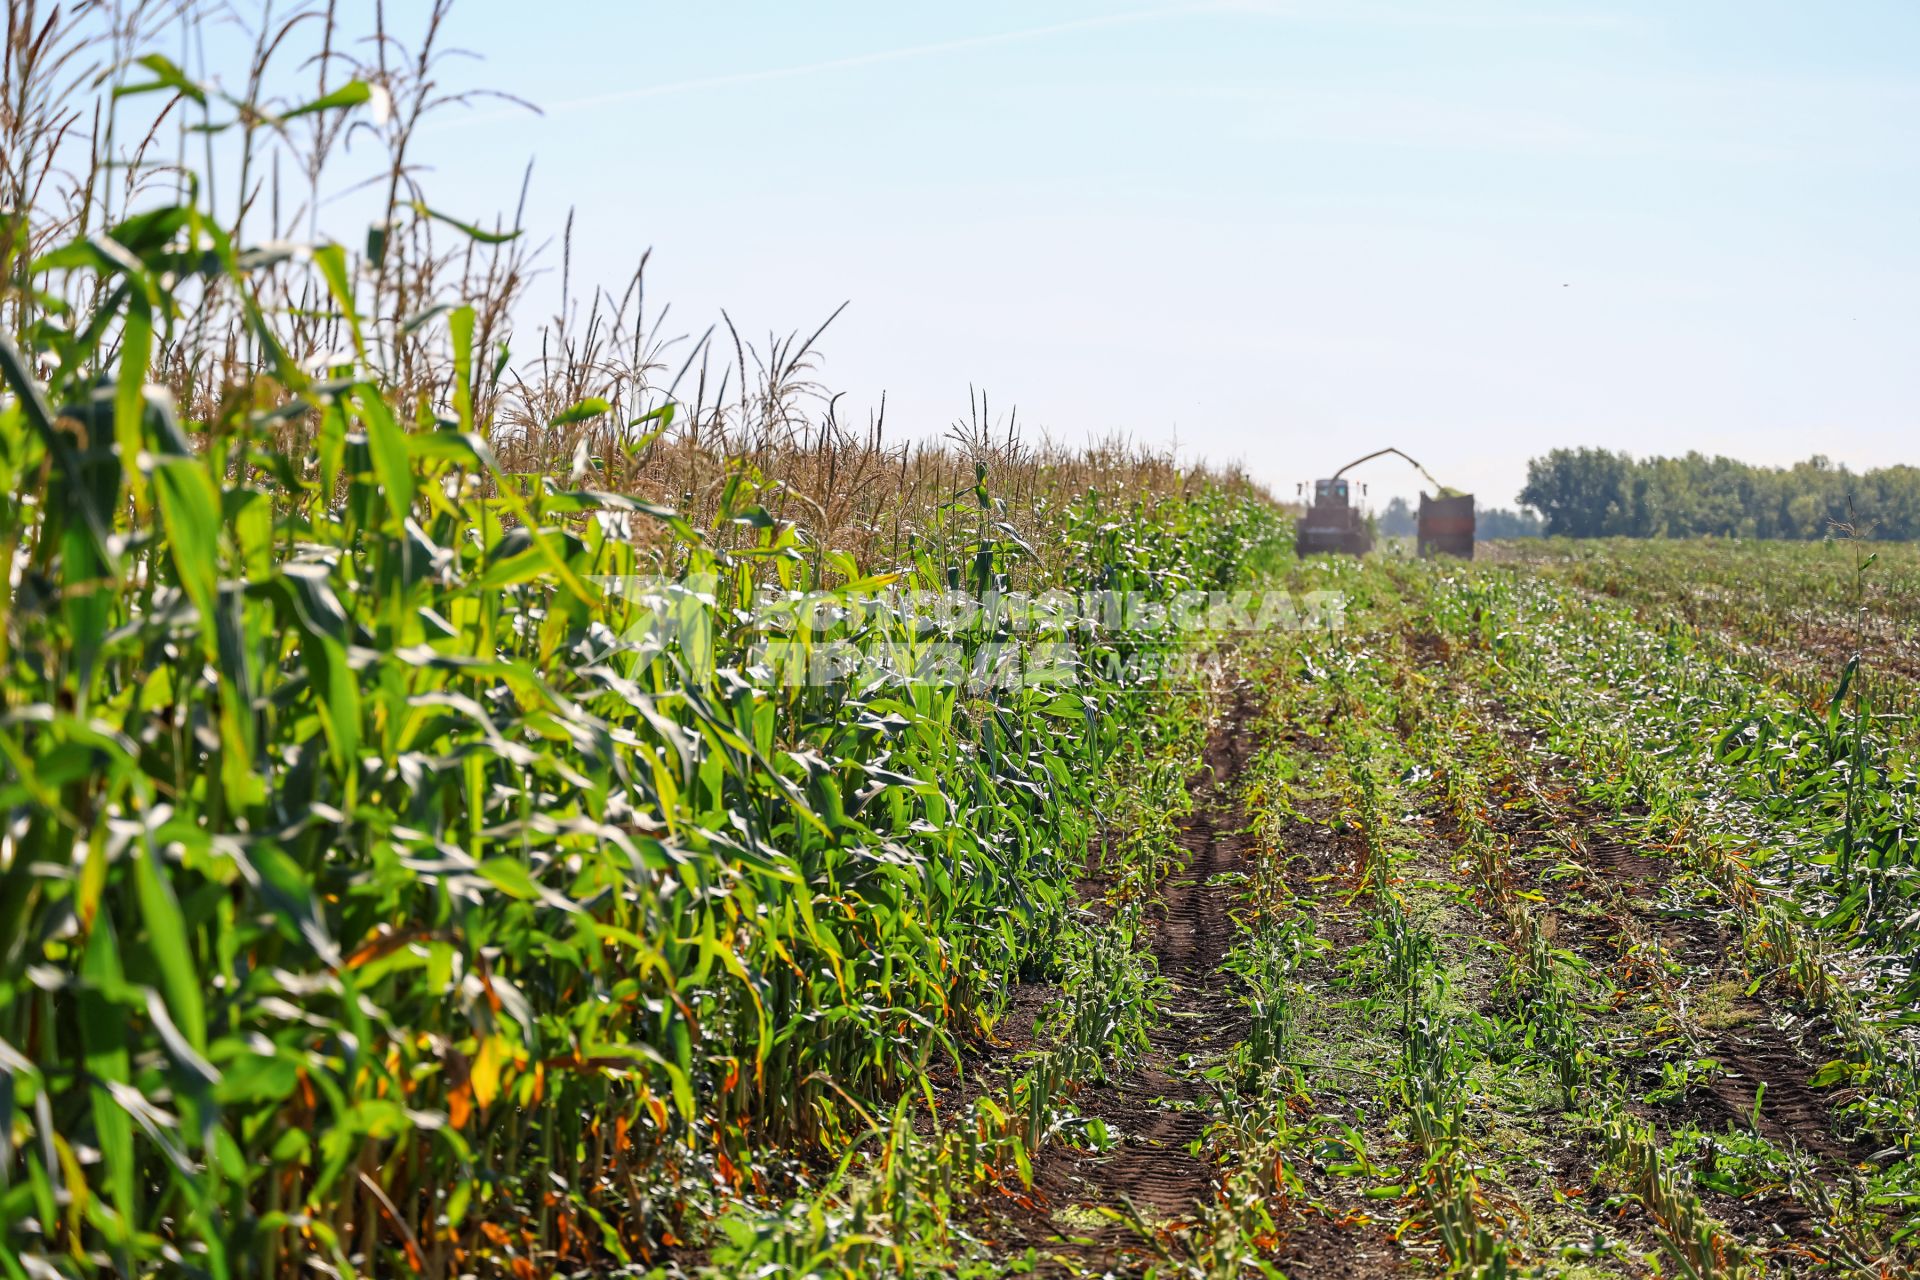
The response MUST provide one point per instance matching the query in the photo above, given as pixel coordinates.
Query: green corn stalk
(375, 867)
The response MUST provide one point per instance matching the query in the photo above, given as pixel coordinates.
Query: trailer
(1446, 526)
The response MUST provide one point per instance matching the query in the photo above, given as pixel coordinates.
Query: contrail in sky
(869, 59)
(1389, 15)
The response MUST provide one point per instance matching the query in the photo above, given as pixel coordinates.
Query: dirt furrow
(1618, 910)
(1089, 1208)
(1752, 1050)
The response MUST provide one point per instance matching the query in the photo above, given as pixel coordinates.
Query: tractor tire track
(1638, 924)
(1750, 1046)
(1161, 1110)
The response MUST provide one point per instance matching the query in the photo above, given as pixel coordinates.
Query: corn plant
(394, 838)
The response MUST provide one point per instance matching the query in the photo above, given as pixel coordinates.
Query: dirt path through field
(1164, 1111)
(1118, 1212)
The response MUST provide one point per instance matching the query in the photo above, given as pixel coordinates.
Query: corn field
(480, 804)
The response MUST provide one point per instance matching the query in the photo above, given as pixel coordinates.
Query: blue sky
(1291, 232)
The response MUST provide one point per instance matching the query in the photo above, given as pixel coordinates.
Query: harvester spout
(1440, 490)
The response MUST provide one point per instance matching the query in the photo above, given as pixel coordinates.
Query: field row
(1478, 1010)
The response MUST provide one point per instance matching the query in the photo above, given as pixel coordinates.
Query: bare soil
(1154, 1176)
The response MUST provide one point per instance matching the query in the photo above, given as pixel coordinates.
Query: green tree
(1587, 493)
(1581, 493)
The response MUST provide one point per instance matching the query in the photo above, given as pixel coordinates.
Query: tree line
(1592, 493)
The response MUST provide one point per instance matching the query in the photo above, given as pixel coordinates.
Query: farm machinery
(1335, 524)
